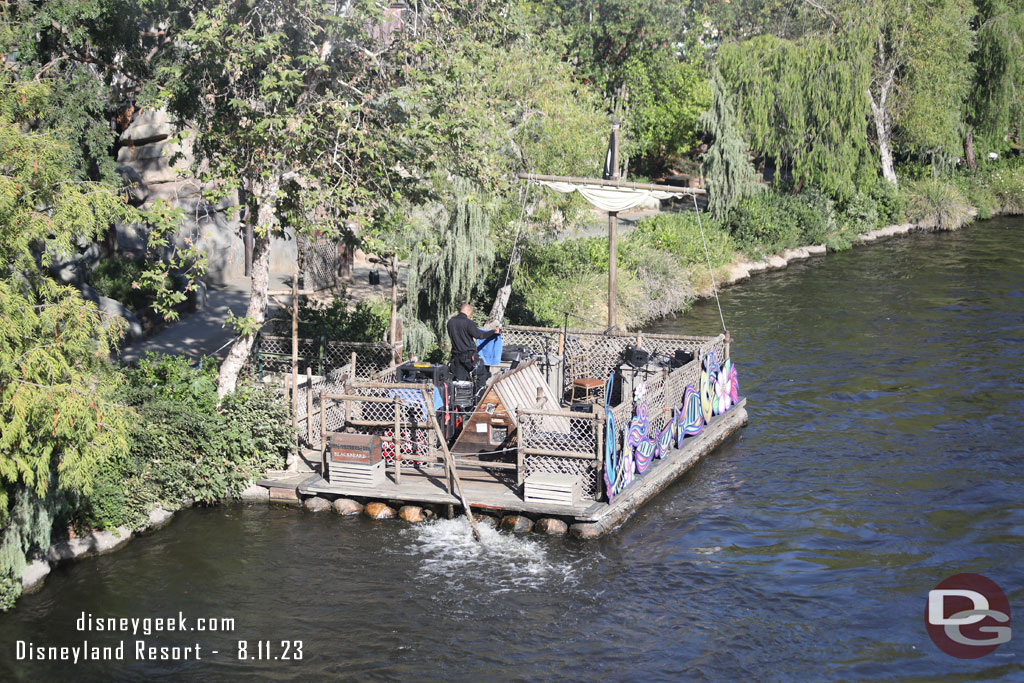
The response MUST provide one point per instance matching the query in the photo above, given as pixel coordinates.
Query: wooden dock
(486, 489)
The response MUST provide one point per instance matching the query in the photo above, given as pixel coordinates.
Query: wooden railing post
(520, 473)
(398, 440)
(323, 438)
(309, 406)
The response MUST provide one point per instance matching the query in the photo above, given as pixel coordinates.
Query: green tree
(284, 99)
(803, 103)
(726, 165)
(58, 422)
(996, 102)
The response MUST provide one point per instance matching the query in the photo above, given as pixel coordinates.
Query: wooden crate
(554, 489)
(356, 474)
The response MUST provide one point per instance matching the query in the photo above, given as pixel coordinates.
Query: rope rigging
(714, 285)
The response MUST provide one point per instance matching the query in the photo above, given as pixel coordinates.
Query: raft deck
(485, 489)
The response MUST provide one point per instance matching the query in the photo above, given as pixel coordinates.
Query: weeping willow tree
(451, 273)
(996, 103)
(726, 166)
(803, 103)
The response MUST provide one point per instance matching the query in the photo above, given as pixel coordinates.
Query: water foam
(447, 550)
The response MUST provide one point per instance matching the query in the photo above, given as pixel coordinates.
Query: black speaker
(418, 373)
(515, 352)
(636, 356)
(681, 358)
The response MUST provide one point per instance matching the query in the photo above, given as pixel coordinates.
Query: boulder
(517, 524)
(346, 506)
(757, 267)
(255, 494)
(111, 308)
(159, 517)
(316, 504)
(798, 254)
(148, 126)
(68, 272)
(379, 511)
(96, 543)
(776, 262)
(585, 531)
(737, 272)
(32, 577)
(485, 520)
(550, 527)
(411, 513)
(816, 249)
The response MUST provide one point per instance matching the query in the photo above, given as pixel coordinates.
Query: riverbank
(663, 262)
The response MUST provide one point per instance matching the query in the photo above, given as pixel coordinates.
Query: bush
(890, 204)
(860, 214)
(185, 447)
(937, 203)
(369, 321)
(814, 212)
(764, 224)
(1007, 185)
(976, 190)
(679, 235)
(113, 276)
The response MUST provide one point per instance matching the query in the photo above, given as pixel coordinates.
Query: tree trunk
(972, 162)
(256, 311)
(882, 129)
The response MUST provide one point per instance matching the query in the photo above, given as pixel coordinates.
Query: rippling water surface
(884, 453)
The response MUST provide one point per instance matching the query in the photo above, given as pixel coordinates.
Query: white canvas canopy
(611, 199)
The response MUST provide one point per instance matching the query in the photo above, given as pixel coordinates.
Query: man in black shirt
(466, 363)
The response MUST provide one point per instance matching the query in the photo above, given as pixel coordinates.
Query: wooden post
(323, 438)
(728, 342)
(295, 343)
(613, 255)
(398, 441)
(309, 406)
(450, 464)
(520, 474)
(353, 366)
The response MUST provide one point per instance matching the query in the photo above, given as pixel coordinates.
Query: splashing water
(446, 549)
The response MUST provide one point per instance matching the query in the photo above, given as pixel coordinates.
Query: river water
(885, 452)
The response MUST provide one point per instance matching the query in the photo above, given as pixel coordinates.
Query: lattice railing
(596, 354)
(370, 409)
(273, 353)
(562, 442)
(320, 262)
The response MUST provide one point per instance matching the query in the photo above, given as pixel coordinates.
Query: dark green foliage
(183, 446)
(335, 321)
(764, 224)
(889, 202)
(113, 277)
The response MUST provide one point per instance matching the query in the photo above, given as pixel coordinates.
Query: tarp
(611, 199)
(490, 349)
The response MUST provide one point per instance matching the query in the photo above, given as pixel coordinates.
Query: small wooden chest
(363, 449)
(554, 489)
